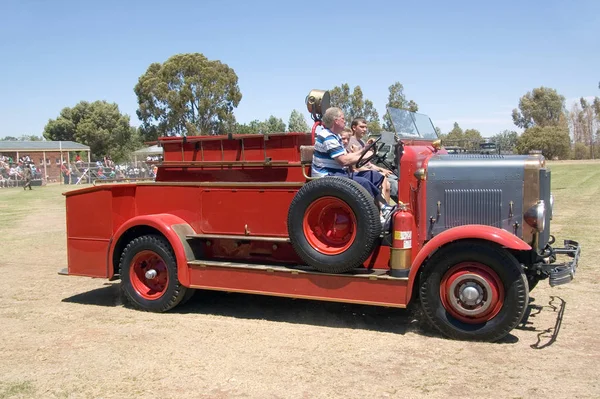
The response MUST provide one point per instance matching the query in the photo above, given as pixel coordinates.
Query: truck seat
(306, 156)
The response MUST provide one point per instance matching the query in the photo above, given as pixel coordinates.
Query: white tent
(147, 152)
(152, 150)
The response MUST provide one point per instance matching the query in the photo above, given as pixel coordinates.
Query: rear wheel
(148, 272)
(474, 291)
(333, 224)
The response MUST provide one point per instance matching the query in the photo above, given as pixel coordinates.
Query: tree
(397, 99)
(581, 151)
(274, 125)
(584, 123)
(456, 134)
(187, 95)
(297, 123)
(271, 125)
(472, 138)
(553, 141)
(24, 137)
(355, 105)
(99, 125)
(541, 107)
(506, 140)
(340, 97)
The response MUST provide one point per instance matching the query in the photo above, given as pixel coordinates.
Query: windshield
(410, 125)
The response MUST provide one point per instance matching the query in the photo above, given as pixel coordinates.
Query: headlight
(551, 210)
(536, 216)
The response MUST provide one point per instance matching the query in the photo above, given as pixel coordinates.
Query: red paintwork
(329, 225)
(337, 288)
(472, 272)
(480, 232)
(313, 131)
(149, 289)
(243, 185)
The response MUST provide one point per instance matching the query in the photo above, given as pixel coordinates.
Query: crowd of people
(20, 172)
(80, 172)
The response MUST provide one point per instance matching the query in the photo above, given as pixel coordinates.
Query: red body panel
(338, 288)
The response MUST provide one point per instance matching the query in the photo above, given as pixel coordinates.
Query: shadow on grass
(278, 309)
(287, 310)
(109, 295)
(545, 336)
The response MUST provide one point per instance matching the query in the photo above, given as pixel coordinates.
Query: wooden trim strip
(239, 237)
(372, 274)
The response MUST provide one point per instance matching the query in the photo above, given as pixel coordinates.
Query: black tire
(499, 268)
(141, 292)
(361, 209)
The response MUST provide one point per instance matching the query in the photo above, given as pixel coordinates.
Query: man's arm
(348, 159)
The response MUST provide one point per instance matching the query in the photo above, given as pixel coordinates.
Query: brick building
(46, 155)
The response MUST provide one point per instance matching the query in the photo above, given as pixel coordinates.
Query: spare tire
(333, 224)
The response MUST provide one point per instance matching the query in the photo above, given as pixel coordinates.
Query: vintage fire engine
(469, 239)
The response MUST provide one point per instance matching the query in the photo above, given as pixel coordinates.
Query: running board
(238, 237)
(371, 274)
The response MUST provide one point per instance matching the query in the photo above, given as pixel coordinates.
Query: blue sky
(465, 61)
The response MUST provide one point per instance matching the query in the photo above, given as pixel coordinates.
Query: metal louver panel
(473, 206)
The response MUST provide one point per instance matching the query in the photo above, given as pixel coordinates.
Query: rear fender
(472, 231)
(172, 227)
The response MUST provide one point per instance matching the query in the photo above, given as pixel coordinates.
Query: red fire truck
(241, 213)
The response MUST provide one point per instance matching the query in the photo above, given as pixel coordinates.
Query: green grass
(23, 389)
(16, 203)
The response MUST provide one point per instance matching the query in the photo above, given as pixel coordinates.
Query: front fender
(472, 231)
(172, 227)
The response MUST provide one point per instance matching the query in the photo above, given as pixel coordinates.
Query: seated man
(330, 158)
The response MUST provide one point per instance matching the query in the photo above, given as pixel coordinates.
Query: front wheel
(473, 291)
(148, 272)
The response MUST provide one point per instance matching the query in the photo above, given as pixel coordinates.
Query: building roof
(12, 146)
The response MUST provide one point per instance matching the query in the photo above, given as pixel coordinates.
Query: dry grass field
(70, 337)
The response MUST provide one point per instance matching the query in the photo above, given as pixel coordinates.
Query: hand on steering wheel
(362, 161)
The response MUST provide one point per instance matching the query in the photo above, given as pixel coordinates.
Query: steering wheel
(362, 161)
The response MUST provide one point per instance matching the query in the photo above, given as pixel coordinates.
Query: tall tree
(553, 141)
(24, 137)
(456, 135)
(271, 125)
(297, 123)
(274, 125)
(472, 138)
(397, 99)
(99, 125)
(340, 97)
(541, 107)
(355, 105)
(506, 140)
(187, 95)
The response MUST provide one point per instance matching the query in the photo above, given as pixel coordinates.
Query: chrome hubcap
(151, 274)
(468, 294)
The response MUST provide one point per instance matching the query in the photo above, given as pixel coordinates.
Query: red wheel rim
(472, 292)
(329, 225)
(149, 275)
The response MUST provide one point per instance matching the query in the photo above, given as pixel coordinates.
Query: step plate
(363, 286)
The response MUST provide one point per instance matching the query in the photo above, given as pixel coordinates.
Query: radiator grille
(473, 206)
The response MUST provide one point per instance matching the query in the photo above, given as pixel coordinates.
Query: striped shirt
(328, 146)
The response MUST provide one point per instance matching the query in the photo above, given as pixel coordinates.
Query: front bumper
(563, 273)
